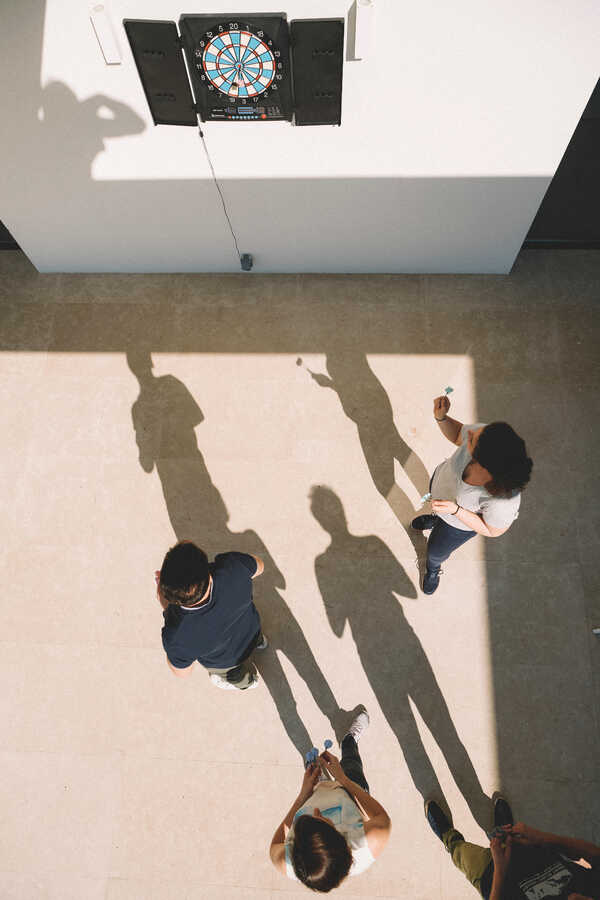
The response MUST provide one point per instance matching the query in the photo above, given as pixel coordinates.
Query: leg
(352, 763)
(473, 861)
(240, 677)
(443, 540)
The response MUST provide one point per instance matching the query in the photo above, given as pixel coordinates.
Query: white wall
(450, 135)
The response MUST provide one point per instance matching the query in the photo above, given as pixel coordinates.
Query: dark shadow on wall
(164, 418)
(361, 582)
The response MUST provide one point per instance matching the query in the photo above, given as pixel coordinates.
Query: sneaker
(502, 812)
(263, 643)
(437, 819)
(220, 681)
(423, 523)
(359, 724)
(431, 580)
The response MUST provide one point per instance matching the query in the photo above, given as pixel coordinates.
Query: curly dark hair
(321, 857)
(184, 574)
(502, 452)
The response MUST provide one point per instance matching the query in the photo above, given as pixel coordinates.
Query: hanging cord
(218, 187)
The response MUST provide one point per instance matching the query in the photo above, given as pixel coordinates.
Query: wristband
(441, 420)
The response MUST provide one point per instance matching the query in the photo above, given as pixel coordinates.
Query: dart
(425, 498)
(448, 390)
(327, 744)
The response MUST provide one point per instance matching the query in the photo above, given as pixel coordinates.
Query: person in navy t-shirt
(209, 614)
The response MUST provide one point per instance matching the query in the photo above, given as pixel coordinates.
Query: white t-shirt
(447, 484)
(335, 803)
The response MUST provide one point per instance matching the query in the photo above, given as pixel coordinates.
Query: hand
(309, 781)
(444, 507)
(501, 853)
(322, 380)
(523, 834)
(332, 764)
(441, 405)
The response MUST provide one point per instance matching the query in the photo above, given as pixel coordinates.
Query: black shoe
(437, 819)
(502, 812)
(422, 523)
(431, 580)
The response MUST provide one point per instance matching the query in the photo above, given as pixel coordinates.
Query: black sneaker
(502, 812)
(431, 580)
(437, 819)
(423, 523)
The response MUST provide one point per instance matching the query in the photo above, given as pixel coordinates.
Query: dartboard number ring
(240, 62)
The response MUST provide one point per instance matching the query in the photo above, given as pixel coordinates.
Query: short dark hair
(502, 452)
(184, 574)
(321, 857)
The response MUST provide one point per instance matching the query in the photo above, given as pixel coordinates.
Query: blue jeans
(443, 540)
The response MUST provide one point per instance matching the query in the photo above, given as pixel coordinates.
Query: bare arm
(277, 848)
(450, 428)
(181, 673)
(574, 848)
(260, 567)
(474, 521)
(378, 825)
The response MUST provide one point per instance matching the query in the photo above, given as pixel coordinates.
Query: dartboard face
(239, 68)
(239, 62)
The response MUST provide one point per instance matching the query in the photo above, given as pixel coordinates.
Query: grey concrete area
(288, 416)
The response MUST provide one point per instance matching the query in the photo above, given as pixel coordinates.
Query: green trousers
(469, 858)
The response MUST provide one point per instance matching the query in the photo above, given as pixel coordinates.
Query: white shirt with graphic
(335, 803)
(448, 484)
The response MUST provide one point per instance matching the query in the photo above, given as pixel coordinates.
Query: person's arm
(277, 848)
(450, 428)
(181, 673)
(260, 566)
(474, 521)
(571, 847)
(501, 857)
(378, 826)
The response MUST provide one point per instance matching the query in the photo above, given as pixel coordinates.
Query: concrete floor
(121, 782)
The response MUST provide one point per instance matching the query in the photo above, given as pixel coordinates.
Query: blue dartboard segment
(239, 64)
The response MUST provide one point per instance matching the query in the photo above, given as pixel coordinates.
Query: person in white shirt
(334, 827)
(476, 491)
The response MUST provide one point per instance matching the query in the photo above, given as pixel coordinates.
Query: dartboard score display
(239, 69)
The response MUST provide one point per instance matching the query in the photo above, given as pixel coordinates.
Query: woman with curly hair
(476, 491)
(334, 828)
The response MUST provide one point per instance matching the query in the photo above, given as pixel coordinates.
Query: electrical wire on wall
(244, 258)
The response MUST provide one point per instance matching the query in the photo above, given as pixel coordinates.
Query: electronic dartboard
(240, 67)
(247, 67)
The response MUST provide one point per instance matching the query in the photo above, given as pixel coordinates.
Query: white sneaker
(220, 681)
(359, 725)
(263, 644)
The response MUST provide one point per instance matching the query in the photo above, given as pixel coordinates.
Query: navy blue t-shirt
(218, 632)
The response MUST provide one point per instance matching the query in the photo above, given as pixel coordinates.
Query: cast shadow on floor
(360, 581)
(365, 402)
(164, 418)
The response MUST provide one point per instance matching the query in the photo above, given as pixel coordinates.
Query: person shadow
(164, 417)
(366, 403)
(360, 581)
